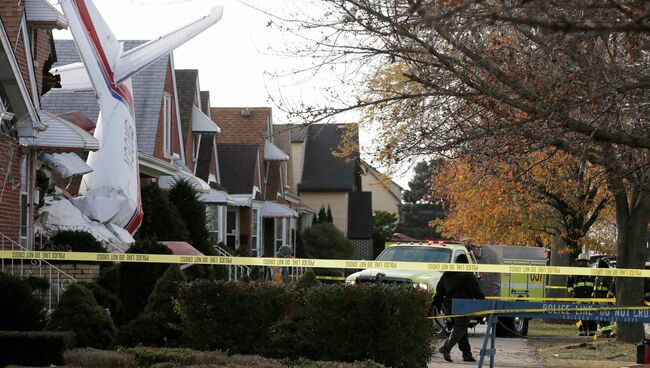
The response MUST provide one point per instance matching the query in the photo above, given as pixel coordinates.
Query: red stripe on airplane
(120, 90)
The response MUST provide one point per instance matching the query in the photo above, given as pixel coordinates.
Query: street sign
(554, 310)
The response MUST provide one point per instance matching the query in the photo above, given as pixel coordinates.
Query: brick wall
(10, 190)
(11, 12)
(42, 51)
(78, 271)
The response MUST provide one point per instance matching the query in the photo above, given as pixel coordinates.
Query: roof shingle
(237, 164)
(322, 171)
(148, 89)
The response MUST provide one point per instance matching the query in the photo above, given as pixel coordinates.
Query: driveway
(511, 352)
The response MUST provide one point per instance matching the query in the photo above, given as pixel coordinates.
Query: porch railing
(56, 277)
(235, 272)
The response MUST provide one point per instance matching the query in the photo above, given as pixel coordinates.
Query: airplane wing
(146, 54)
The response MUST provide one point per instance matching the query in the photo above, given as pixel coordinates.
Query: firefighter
(603, 289)
(582, 287)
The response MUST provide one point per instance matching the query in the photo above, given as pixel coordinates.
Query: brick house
(176, 138)
(260, 219)
(199, 134)
(27, 131)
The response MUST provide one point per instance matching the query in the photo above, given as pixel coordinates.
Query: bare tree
(499, 79)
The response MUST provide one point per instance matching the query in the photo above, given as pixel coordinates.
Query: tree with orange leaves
(526, 202)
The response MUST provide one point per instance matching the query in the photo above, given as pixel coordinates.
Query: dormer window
(196, 143)
(167, 124)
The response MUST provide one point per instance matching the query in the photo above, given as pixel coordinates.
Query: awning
(181, 248)
(273, 153)
(43, 13)
(65, 164)
(155, 167)
(202, 123)
(216, 196)
(241, 200)
(275, 209)
(60, 135)
(168, 181)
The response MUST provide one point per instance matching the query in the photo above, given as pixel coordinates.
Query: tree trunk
(631, 251)
(557, 259)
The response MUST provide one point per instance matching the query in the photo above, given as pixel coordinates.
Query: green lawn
(559, 346)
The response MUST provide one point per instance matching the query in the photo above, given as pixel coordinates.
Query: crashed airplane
(109, 201)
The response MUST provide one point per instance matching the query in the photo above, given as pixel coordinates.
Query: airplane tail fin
(95, 41)
(98, 47)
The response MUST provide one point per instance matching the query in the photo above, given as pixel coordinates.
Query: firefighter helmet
(583, 257)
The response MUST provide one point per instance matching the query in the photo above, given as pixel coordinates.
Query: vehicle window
(456, 254)
(415, 254)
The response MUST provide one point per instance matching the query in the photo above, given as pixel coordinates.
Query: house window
(232, 228)
(255, 232)
(167, 124)
(294, 227)
(213, 213)
(196, 142)
(278, 234)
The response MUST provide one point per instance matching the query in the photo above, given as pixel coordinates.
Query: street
(511, 352)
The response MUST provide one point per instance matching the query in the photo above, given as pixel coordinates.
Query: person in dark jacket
(457, 285)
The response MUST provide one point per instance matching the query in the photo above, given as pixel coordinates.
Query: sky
(236, 57)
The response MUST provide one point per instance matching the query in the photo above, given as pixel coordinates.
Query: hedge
(230, 316)
(383, 323)
(34, 348)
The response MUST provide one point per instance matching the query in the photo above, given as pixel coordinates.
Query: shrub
(98, 358)
(109, 278)
(106, 299)
(233, 316)
(192, 211)
(79, 312)
(137, 280)
(161, 218)
(33, 348)
(308, 279)
(20, 308)
(325, 241)
(385, 323)
(147, 357)
(158, 324)
(74, 241)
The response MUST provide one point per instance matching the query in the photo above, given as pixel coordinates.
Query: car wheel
(521, 326)
(512, 327)
(440, 325)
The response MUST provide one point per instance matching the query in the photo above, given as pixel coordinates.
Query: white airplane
(111, 192)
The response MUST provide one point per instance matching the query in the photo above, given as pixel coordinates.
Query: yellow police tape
(537, 310)
(536, 299)
(319, 263)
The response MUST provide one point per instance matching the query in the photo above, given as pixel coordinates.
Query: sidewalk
(511, 352)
